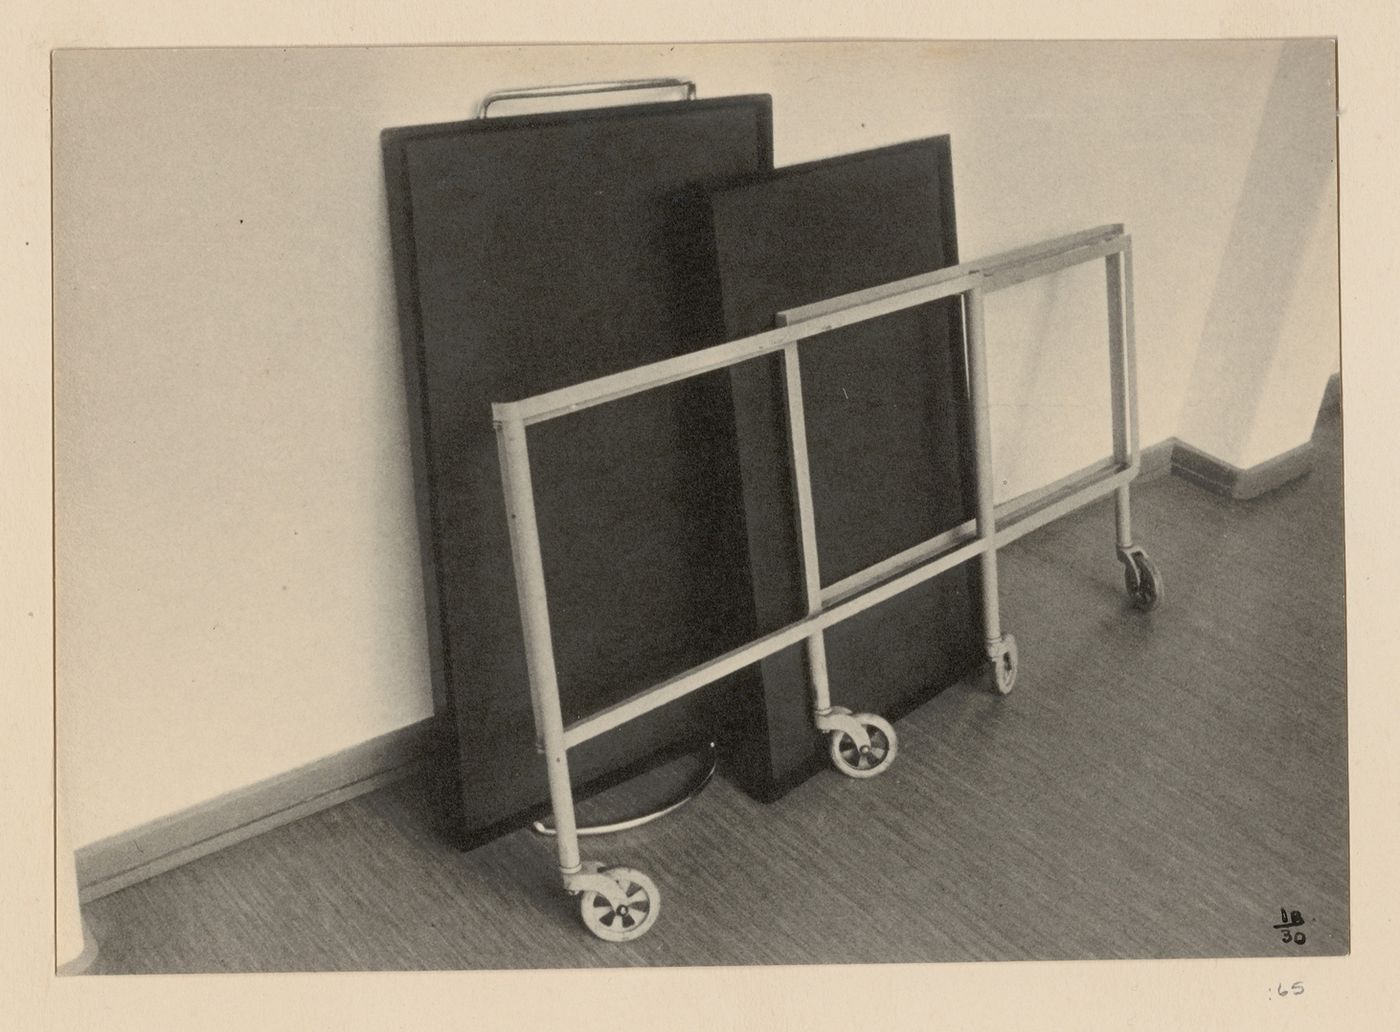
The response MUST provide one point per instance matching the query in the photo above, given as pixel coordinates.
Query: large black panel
(535, 252)
(887, 425)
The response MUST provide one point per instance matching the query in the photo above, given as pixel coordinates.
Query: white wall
(238, 586)
(1275, 302)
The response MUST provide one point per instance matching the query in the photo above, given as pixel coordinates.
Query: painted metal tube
(1118, 391)
(1130, 350)
(534, 622)
(982, 448)
(1122, 360)
(806, 524)
(568, 400)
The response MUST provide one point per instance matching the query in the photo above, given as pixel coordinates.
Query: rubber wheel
(630, 921)
(1004, 667)
(854, 763)
(1144, 583)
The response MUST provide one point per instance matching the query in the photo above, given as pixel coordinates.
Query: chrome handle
(581, 88)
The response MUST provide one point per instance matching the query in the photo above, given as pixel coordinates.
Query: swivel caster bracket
(861, 745)
(1005, 659)
(1141, 577)
(617, 904)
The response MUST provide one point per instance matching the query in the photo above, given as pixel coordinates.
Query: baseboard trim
(1223, 478)
(143, 852)
(1155, 460)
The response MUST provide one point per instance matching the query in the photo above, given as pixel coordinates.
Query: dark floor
(1156, 786)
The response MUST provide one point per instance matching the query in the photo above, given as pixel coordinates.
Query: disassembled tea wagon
(618, 903)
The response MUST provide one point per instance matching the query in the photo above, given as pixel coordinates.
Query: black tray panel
(531, 253)
(888, 429)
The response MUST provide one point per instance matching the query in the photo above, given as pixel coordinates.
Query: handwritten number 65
(1296, 989)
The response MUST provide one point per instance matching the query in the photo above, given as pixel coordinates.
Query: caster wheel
(1004, 666)
(1143, 581)
(632, 919)
(854, 762)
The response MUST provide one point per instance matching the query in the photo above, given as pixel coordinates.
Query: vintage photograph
(698, 505)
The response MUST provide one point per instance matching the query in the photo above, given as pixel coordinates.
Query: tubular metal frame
(578, 89)
(827, 605)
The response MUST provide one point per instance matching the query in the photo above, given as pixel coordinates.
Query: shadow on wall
(1283, 195)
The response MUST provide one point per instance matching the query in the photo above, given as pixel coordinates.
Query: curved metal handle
(580, 88)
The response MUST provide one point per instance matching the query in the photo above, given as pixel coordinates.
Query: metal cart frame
(619, 903)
